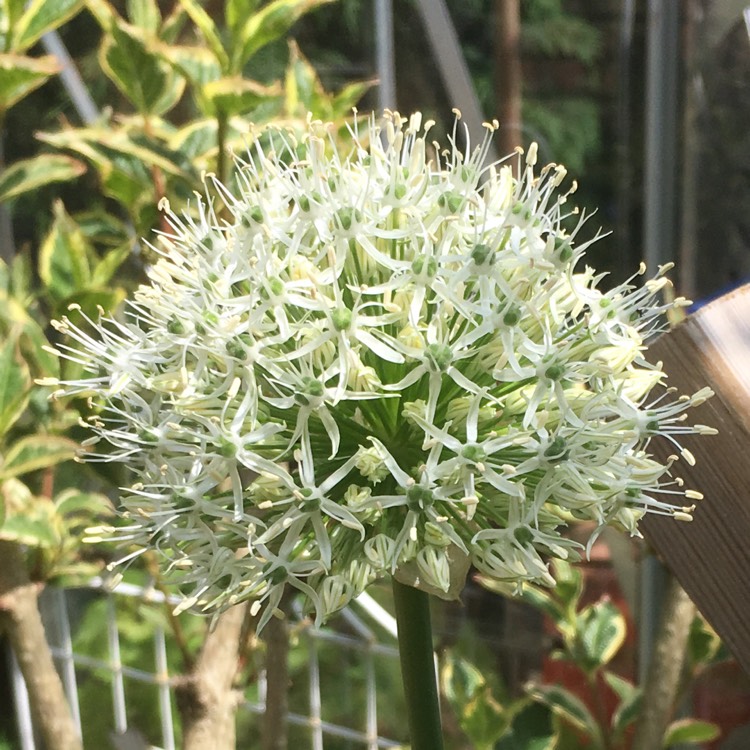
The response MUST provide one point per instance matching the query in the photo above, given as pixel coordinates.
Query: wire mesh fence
(123, 677)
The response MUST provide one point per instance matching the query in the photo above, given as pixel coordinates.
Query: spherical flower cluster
(358, 363)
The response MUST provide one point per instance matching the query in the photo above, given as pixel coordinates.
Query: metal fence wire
(355, 641)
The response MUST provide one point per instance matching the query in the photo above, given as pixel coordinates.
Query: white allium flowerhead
(363, 362)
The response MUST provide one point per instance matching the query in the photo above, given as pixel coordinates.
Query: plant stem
(206, 696)
(276, 636)
(418, 666)
(662, 681)
(21, 623)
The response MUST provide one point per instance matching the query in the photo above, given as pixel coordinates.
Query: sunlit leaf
(31, 174)
(31, 338)
(12, 10)
(39, 17)
(349, 96)
(600, 634)
(106, 268)
(15, 384)
(303, 90)
(197, 64)
(36, 452)
(195, 139)
(235, 96)
(703, 643)
(236, 11)
(269, 23)
(141, 74)
(479, 714)
(690, 731)
(568, 707)
(144, 14)
(629, 705)
(20, 75)
(64, 257)
(124, 161)
(34, 530)
(73, 502)
(210, 33)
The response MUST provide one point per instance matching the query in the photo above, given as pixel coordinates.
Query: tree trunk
(21, 622)
(276, 636)
(206, 697)
(665, 670)
(508, 74)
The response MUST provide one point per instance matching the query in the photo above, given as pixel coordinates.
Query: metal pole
(659, 228)
(660, 168)
(447, 52)
(385, 56)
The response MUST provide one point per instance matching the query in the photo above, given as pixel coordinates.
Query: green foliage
(550, 30)
(156, 62)
(489, 721)
(267, 24)
(568, 130)
(480, 715)
(591, 636)
(532, 728)
(34, 442)
(183, 99)
(571, 709)
(690, 731)
(50, 530)
(31, 174)
(35, 452)
(600, 633)
(139, 72)
(15, 384)
(21, 26)
(39, 17)
(20, 75)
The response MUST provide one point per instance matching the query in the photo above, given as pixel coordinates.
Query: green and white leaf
(34, 529)
(532, 729)
(15, 384)
(64, 257)
(141, 74)
(36, 452)
(569, 708)
(271, 22)
(144, 14)
(20, 75)
(31, 174)
(83, 505)
(209, 31)
(629, 705)
(690, 731)
(106, 268)
(14, 319)
(237, 96)
(600, 633)
(39, 17)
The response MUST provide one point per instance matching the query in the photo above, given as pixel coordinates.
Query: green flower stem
(418, 666)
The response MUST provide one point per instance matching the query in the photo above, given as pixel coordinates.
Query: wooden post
(508, 74)
(711, 556)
